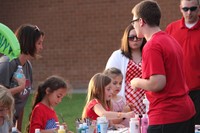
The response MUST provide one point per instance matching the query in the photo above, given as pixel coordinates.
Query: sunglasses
(193, 8)
(134, 38)
(36, 28)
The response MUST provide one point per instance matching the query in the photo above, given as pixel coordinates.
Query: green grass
(70, 107)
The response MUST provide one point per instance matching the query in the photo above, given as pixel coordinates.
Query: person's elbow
(158, 82)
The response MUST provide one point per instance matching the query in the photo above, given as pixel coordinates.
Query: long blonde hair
(7, 100)
(96, 90)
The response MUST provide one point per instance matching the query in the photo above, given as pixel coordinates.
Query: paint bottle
(134, 125)
(144, 123)
(146, 103)
(14, 130)
(85, 128)
(102, 125)
(197, 128)
(61, 129)
(37, 130)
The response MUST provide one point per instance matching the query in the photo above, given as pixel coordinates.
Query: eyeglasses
(132, 21)
(193, 8)
(134, 38)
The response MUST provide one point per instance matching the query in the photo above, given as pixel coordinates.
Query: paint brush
(62, 118)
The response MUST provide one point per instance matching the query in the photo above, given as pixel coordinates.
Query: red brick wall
(80, 34)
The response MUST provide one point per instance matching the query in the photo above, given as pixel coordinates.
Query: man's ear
(141, 22)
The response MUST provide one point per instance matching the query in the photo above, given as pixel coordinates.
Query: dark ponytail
(52, 83)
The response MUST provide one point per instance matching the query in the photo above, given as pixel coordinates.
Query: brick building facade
(80, 34)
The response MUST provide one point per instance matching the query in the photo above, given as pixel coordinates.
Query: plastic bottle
(37, 130)
(144, 123)
(102, 124)
(146, 103)
(81, 129)
(14, 130)
(19, 72)
(134, 125)
(61, 129)
(197, 128)
(85, 127)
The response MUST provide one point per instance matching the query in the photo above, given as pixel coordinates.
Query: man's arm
(155, 83)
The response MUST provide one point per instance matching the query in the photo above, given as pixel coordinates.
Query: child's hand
(119, 126)
(65, 126)
(130, 114)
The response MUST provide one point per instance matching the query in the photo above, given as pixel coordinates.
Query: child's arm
(100, 111)
(53, 131)
(128, 107)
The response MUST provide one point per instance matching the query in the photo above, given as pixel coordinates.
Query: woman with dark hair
(31, 39)
(129, 59)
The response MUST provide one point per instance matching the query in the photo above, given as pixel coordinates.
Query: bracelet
(119, 115)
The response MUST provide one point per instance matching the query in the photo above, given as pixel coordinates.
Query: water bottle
(134, 125)
(19, 72)
(14, 130)
(37, 130)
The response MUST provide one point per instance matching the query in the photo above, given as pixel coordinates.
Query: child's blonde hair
(7, 100)
(113, 72)
(96, 90)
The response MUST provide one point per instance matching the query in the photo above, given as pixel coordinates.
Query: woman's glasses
(134, 38)
(193, 8)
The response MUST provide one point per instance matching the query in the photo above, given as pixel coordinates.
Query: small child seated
(98, 101)
(118, 102)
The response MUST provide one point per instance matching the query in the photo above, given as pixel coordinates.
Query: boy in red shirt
(171, 109)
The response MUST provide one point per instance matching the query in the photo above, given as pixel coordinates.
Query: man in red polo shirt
(187, 32)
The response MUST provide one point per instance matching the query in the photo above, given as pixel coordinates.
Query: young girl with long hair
(6, 110)
(49, 94)
(98, 101)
